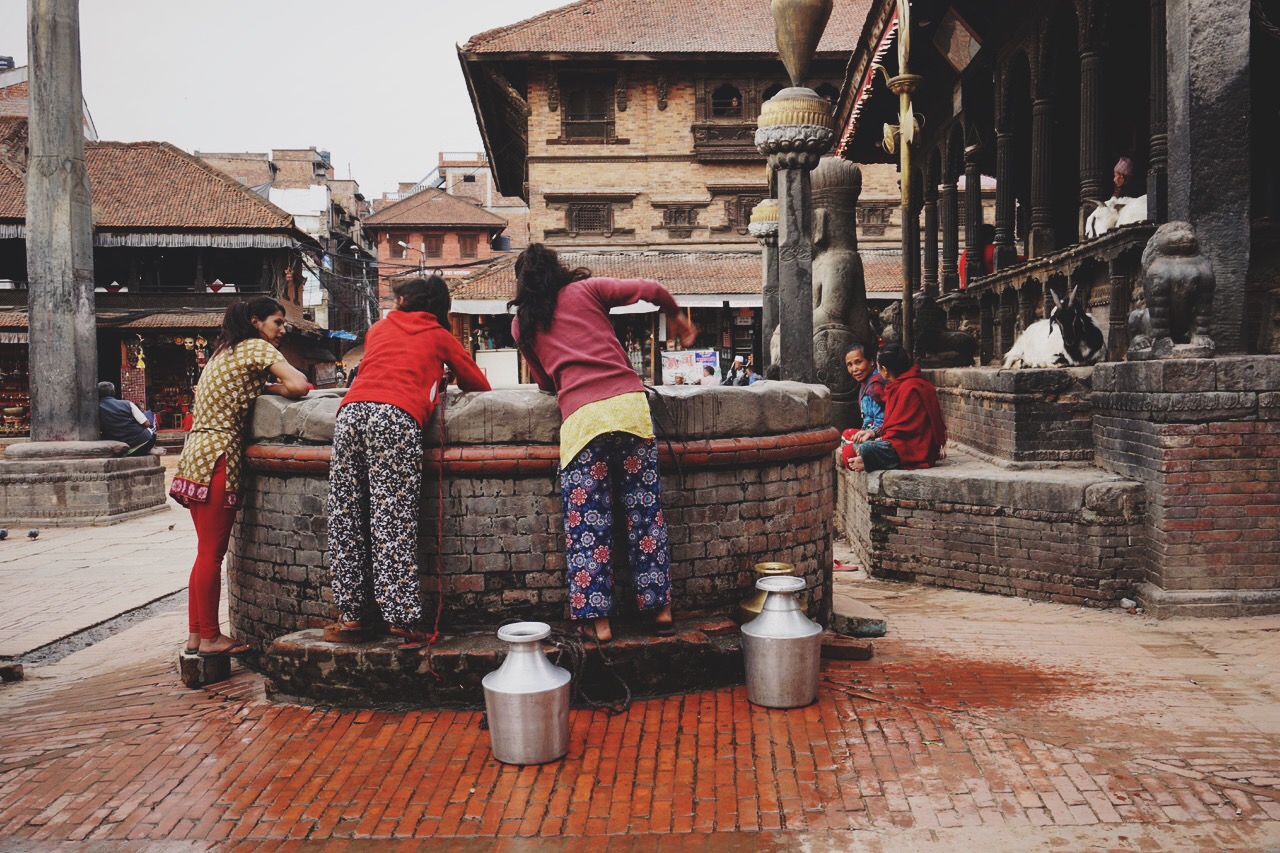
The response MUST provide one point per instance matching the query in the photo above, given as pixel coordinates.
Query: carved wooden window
(435, 245)
(873, 219)
(589, 218)
(588, 105)
(831, 93)
(468, 245)
(726, 102)
(769, 93)
(680, 217)
(737, 211)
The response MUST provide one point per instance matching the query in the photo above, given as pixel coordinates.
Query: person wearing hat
(736, 375)
(1120, 176)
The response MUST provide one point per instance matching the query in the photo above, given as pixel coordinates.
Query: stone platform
(77, 484)
(302, 667)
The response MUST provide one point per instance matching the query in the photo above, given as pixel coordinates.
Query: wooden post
(1041, 242)
(973, 214)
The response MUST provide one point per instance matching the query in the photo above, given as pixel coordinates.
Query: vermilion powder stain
(956, 682)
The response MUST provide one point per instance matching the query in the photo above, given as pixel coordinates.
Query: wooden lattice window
(588, 106)
(589, 218)
(680, 217)
(737, 211)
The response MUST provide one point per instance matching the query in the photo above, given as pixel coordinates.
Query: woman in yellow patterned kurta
(245, 364)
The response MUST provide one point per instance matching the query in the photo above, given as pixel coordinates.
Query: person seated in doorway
(913, 433)
(860, 361)
(737, 374)
(121, 420)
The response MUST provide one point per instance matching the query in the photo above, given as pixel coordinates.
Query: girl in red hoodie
(606, 435)
(913, 433)
(375, 474)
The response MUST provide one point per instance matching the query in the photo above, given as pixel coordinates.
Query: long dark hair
(539, 278)
(237, 322)
(429, 295)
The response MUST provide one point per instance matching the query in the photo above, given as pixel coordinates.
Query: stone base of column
(73, 484)
(1163, 603)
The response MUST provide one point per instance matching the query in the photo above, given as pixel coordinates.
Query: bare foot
(855, 464)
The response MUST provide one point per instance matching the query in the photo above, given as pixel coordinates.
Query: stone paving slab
(983, 723)
(69, 579)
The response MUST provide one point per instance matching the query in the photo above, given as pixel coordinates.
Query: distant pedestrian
(562, 326)
(121, 420)
(375, 474)
(245, 364)
(708, 376)
(737, 374)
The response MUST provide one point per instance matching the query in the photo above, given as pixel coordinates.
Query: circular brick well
(746, 476)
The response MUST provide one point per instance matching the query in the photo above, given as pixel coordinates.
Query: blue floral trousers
(587, 492)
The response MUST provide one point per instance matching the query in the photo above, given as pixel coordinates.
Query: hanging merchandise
(142, 362)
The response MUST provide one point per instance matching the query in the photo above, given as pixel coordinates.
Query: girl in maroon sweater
(606, 436)
(913, 433)
(375, 474)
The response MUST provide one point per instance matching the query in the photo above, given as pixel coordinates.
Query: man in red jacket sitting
(913, 433)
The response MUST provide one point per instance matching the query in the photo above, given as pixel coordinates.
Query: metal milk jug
(782, 648)
(527, 699)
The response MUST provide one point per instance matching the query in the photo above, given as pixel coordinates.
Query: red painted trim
(517, 460)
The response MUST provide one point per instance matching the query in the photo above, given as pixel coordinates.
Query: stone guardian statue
(1177, 283)
(840, 312)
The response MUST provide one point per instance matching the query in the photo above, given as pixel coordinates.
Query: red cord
(435, 631)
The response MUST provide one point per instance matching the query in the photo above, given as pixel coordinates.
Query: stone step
(854, 618)
(196, 671)
(705, 653)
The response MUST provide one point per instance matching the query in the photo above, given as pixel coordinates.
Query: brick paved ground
(983, 723)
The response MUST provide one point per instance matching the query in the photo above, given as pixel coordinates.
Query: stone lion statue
(935, 344)
(1177, 284)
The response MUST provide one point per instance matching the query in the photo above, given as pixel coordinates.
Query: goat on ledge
(1068, 338)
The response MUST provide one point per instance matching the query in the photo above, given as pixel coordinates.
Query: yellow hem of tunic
(627, 413)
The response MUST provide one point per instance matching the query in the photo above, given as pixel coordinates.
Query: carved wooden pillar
(973, 214)
(1041, 236)
(1118, 326)
(1006, 230)
(1158, 168)
(950, 215)
(930, 266)
(1093, 185)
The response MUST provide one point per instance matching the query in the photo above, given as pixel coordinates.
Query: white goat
(1113, 213)
(1069, 337)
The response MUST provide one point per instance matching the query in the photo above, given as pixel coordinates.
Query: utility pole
(59, 233)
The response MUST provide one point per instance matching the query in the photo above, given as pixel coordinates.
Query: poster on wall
(688, 367)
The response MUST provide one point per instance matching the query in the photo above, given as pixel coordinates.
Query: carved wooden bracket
(662, 90)
(553, 90)
(621, 92)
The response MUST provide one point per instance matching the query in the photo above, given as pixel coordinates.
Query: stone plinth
(77, 483)
(746, 477)
(301, 667)
(1203, 438)
(1069, 535)
(1019, 416)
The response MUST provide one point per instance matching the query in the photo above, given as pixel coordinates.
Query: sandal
(344, 631)
(411, 639)
(234, 651)
(664, 629)
(587, 631)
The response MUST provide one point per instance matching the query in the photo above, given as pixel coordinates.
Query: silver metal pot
(527, 699)
(782, 648)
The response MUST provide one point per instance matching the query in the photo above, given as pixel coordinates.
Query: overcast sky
(376, 83)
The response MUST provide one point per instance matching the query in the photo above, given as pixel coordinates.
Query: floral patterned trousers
(587, 491)
(375, 477)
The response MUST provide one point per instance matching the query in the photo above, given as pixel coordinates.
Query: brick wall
(1067, 536)
(1019, 415)
(1203, 436)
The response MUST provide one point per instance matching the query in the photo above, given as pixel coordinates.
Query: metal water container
(527, 699)
(783, 649)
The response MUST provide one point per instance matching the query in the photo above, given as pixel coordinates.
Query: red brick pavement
(913, 741)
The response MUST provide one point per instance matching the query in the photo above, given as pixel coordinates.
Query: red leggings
(213, 532)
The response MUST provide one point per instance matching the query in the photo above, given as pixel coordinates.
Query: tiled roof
(882, 269)
(434, 207)
(164, 320)
(663, 26)
(682, 272)
(154, 185)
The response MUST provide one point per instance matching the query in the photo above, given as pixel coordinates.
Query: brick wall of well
(1024, 416)
(1203, 437)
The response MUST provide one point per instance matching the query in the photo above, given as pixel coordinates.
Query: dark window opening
(588, 107)
(770, 92)
(726, 102)
(468, 179)
(831, 93)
